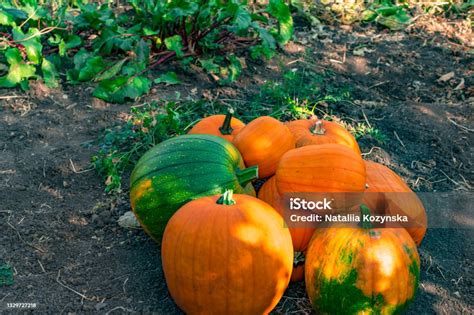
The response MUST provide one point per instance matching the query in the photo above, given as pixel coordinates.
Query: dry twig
(460, 126)
(69, 288)
(399, 140)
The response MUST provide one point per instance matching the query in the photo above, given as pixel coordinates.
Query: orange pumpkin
(323, 168)
(388, 194)
(263, 142)
(224, 126)
(361, 270)
(269, 193)
(311, 131)
(227, 255)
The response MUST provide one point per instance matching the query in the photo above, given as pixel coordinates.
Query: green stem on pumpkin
(226, 198)
(247, 175)
(299, 259)
(226, 129)
(317, 128)
(364, 210)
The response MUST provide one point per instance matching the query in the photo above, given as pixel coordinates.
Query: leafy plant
(117, 49)
(388, 14)
(123, 145)
(298, 94)
(361, 129)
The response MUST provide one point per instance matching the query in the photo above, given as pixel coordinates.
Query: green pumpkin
(181, 169)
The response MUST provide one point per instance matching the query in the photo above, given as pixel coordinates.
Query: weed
(360, 130)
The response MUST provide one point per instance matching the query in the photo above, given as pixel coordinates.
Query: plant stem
(247, 175)
(317, 128)
(226, 198)
(226, 129)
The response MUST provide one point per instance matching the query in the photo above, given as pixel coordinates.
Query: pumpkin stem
(247, 175)
(317, 128)
(364, 210)
(226, 129)
(226, 198)
(298, 259)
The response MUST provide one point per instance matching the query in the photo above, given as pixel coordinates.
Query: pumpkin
(181, 169)
(226, 255)
(269, 193)
(323, 168)
(224, 126)
(311, 131)
(361, 270)
(388, 194)
(263, 142)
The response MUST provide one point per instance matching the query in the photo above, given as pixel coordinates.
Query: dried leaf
(361, 51)
(446, 77)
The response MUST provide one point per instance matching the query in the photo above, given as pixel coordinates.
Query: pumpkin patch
(220, 248)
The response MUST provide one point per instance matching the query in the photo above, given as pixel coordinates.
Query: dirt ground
(59, 231)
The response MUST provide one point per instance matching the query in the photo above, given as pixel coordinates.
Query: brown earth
(58, 229)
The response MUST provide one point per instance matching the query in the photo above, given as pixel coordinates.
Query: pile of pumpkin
(226, 251)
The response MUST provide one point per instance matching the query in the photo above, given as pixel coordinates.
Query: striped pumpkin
(182, 169)
(361, 270)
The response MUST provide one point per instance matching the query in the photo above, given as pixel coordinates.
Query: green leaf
(169, 78)
(68, 43)
(119, 89)
(175, 44)
(16, 13)
(92, 67)
(241, 17)
(267, 39)
(179, 8)
(280, 10)
(6, 19)
(6, 275)
(232, 72)
(110, 72)
(209, 65)
(368, 15)
(31, 41)
(18, 71)
(395, 22)
(50, 74)
(387, 10)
